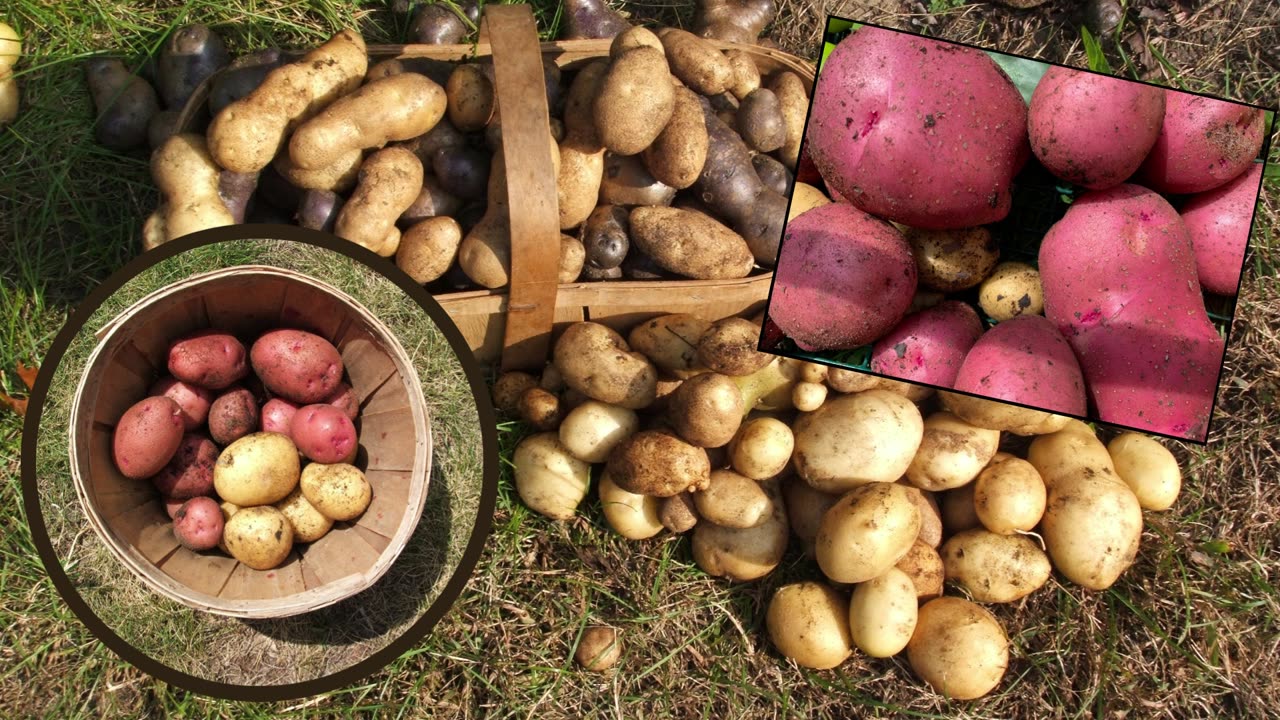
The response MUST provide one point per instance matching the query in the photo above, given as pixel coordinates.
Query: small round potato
(808, 396)
(309, 524)
(548, 477)
(729, 347)
(852, 440)
(260, 537)
(809, 623)
(258, 469)
(995, 568)
(599, 649)
(952, 453)
(743, 554)
(706, 410)
(593, 429)
(923, 565)
(657, 463)
(1009, 495)
(866, 532)
(1012, 289)
(540, 409)
(678, 513)
(882, 614)
(733, 501)
(762, 448)
(1148, 468)
(339, 491)
(198, 524)
(508, 389)
(635, 517)
(958, 648)
(952, 260)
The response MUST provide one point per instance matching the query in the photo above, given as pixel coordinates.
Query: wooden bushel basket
(394, 431)
(516, 324)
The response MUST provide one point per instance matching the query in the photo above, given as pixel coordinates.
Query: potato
(627, 182)
(678, 153)
(233, 415)
(485, 252)
(277, 415)
(1204, 143)
(572, 257)
(124, 103)
(241, 77)
(190, 472)
(540, 409)
(762, 448)
(593, 429)
(952, 453)
(189, 184)
(882, 614)
(1073, 450)
(805, 508)
(1148, 468)
(850, 381)
(678, 513)
(654, 462)
(197, 525)
(597, 362)
(1002, 416)
(259, 537)
(958, 510)
(1012, 289)
(868, 437)
(746, 76)
(807, 396)
(924, 566)
(760, 121)
(606, 237)
(600, 648)
(323, 433)
(808, 622)
(1024, 360)
(952, 260)
(248, 133)
(548, 478)
(995, 568)
(338, 491)
(1219, 222)
(297, 365)
(308, 523)
(399, 107)
(1009, 496)
(635, 100)
(432, 201)
(466, 171)
(509, 388)
(773, 174)
(390, 180)
(733, 501)
(147, 436)
(706, 410)
(690, 244)
(632, 516)
(191, 398)
(958, 648)
(794, 102)
(930, 515)
(10, 46)
(697, 63)
(866, 532)
(579, 119)
(188, 57)
(805, 197)
(729, 347)
(670, 342)
(257, 469)
(747, 554)
(336, 177)
(471, 100)
(211, 359)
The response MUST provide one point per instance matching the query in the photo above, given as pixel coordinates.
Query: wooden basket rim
(308, 600)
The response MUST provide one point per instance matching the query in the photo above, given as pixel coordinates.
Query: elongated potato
(867, 532)
(549, 479)
(248, 133)
(188, 179)
(635, 100)
(578, 184)
(852, 440)
(995, 568)
(653, 462)
(390, 181)
(1148, 468)
(795, 109)
(678, 153)
(697, 62)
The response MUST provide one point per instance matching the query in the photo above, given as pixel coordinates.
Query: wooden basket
(395, 442)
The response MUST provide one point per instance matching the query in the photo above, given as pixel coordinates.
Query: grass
(1190, 631)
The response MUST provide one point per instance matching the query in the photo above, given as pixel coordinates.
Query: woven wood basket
(394, 433)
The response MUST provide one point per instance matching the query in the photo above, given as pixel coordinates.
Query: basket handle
(531, 184)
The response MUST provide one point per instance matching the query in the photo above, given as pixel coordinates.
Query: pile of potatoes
(250, 452)
(921, 144)
(915, 517)
(673, 158)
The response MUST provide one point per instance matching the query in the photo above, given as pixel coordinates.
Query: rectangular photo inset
(1003, 228)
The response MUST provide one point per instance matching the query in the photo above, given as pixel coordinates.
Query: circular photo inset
(261, 465)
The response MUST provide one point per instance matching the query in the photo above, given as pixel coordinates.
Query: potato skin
(729, 347)
(995, 568)
(743, 554)
(1025, 360)
(852, 440)
(124, 103)
(1218, 222)
(698, 63)
(428, 248)
(1203, 144)
(189, 56)
(197, 525)
(654, 462)
(323, 433)
(952, 452)
(928, 346)
(635, 100)
(549, 479)
(690, 244)
(760, 121)
(389, 182)
(308, 523)
(260, 537)
(190, 183)
(732, 500)
(597, 362)
(866, 532)
(1148, 468)
(193, 399)
(1012, 289)
(147, 436)
(211, 359)
(706, 410)
(882, 613)
(257, 469)
(277, 415)
(678, 153)
(339, 491)
(233, 415)
(190, 472)
(1092, 527)
(297, 365)
(959, 648)
(808, 622)
(633, 516)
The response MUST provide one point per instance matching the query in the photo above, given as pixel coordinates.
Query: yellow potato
(428, 248)
(882, 614)
(1012, 289)
(308, 523)
(593, 429)
(952, 452)
(187, 178)
(808, 622)
(995, 568)
(762, 448)
(857, 439)
(632, 516)
(548, 478)
(258, 469)
(806, 197)
(1009, 496)
(339, 491)
(260, 537)
(924, 566)
(390, 180)
(866, 532)
(743, 554)
(635, 100)
(959, 648)
(733, 501)
(1148, 468)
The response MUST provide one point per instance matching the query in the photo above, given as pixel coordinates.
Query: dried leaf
(28, 374)
(18, 405)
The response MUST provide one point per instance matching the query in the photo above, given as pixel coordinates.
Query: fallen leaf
(18, 405)
(28, 374)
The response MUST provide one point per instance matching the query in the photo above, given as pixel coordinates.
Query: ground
(1190, 631)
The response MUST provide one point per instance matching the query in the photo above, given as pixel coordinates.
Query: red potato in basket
(277, 415)
(193, 399)
(212, 359)
(1219, 222)
(190, 472)
(146, 437)
(297, 365)
(324, 434)
(1120, 284)
(917, 131)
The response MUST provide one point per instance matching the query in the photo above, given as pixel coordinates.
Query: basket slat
(243, 306)
(332, 557)
(382, 515)
(146, 529)
(387, 397)
(376, 541)
(246, 583)
(369, 368)
(390, 440)
(203, 572)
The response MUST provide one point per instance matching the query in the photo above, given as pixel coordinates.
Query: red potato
(209, 358)
(277, 415)
(1203, 144)
(198, 524)
(190, 473)
(297, 365)
(323, 433)
(193, 399)
(1093, 130)
(1218, 222)
(233, 415)
(928, 346)
(844, 278)
(345, 399)
(1120, 284)
(1025, 360)
(171, 505)
(917, 131)
(147, 436)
